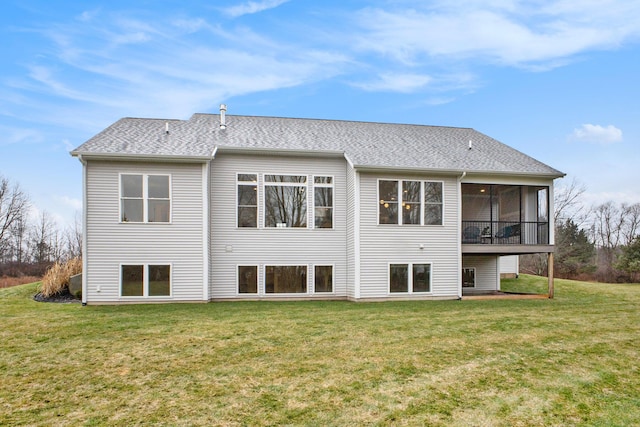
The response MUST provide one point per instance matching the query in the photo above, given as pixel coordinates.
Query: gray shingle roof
(371, 145)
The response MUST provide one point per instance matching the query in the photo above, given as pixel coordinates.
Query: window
(404, 201)
(411, 206)
(132, 281)
(388, 192)
(323, 201)
(132, 202)
(409, 278)
(469, 277)
(421, 279)
(433, 203)
(247, 279)
(145, 280)
(285, 201)
(247, 200)
(285, 279)
(323, 278)
(145, 198)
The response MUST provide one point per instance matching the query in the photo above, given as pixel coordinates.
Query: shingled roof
(364, 144)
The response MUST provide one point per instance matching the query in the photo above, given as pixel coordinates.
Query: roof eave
(386, 169)
(280, 151)
(138, 157)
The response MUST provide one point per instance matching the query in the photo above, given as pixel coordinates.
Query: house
(221, 207)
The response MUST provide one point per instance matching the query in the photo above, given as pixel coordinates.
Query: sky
(557, 80)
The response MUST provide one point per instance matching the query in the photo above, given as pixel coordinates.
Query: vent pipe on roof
(470, 144)
(166, 127)
(223, 119)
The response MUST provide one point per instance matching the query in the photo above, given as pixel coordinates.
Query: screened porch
(495, 214)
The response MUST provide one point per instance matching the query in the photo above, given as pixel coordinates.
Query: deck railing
(505, 232)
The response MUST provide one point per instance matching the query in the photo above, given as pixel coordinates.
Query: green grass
(574, 360)
(526, 284)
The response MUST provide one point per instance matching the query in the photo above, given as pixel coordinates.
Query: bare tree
(568, 205)
(13, 206)
(40, 238)
(18, 232)
(73, 237)
(608, 224)
(631, 229)
(613, 228)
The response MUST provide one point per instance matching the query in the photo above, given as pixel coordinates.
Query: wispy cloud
(15, 135)
(396, 82)
(597, 134)
(159, 69)
(514, 33)
(251, 7)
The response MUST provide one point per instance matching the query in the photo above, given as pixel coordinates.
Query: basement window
(409, 278)
(145, 280)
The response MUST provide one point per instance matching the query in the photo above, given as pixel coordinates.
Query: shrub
(56, 279)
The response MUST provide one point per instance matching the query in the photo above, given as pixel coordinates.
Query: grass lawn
(574, 360)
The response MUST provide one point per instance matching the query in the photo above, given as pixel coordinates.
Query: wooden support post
(550, 273)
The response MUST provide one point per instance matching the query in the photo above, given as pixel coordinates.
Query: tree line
(599, 242)
(30, 243)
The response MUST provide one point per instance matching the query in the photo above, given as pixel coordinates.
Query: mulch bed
(63, 297)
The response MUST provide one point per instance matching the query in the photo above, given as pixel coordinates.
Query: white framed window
(409, 278)
(469, 277)
(433, 202)
(323, 279)
(388, 194)
(285, 279)
(410, 202)
(323, 201)
(247, 200)
(285, 201)
(145, 280)
(247, 279)
(145, 198)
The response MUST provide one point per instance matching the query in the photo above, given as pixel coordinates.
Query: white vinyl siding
(111, 243)
(232, 246)
(353, 225)
(487, 274)
(510, 265)
(381, 244)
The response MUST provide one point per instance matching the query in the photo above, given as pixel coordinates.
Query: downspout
(459, 230)
(206, 219)
(84, 230)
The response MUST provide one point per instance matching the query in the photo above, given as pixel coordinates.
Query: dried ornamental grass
(56, 279)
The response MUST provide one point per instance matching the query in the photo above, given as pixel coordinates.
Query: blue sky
(558, 80)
